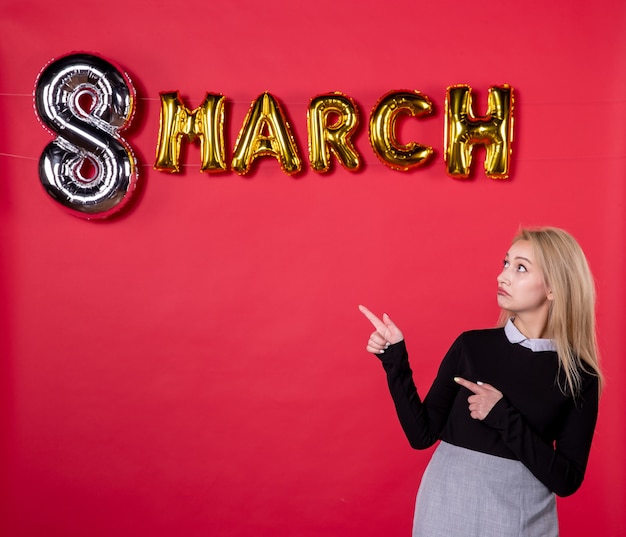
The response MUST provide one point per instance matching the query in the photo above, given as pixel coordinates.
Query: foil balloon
(332, 120)
(205, 123)
(86, 102)
(463, 131)
(266, 132)
(382, 130)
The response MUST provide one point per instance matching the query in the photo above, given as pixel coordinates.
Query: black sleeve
(422, 421)
(559, 466)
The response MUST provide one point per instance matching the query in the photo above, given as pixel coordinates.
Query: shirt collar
(536, 345)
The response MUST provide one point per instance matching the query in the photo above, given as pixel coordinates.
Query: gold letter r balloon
(326, 135)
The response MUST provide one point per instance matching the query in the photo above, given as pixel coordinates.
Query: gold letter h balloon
(463, 131)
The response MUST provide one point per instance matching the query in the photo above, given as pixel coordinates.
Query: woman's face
(521, 286)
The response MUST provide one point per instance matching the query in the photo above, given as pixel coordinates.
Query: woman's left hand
(484, 399)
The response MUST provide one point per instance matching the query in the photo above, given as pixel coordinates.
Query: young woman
(515, 407)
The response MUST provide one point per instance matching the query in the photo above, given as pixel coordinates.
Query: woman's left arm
(560, 465)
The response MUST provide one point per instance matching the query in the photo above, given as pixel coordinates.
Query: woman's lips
(502, 292)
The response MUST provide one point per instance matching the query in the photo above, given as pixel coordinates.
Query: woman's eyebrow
(524, 258)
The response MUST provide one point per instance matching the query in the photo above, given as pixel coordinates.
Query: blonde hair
(571, 317)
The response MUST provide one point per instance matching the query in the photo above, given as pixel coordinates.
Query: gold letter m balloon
(177, 122)
(463, 131)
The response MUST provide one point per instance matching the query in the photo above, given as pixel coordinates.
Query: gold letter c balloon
(383, 129)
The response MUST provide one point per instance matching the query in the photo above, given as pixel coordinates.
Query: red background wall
(195, 366)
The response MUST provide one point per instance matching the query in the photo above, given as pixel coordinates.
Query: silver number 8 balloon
(86, 101)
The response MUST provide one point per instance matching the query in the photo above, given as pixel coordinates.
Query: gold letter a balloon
(265, 131)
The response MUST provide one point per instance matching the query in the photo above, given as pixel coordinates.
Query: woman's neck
(533, 327)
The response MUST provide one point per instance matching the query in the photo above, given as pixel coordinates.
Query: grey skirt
(471, 494)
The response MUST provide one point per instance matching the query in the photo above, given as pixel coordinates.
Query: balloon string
(380, 164)
(299, 103)
(24, 157)
(157, 99)
(17, 156)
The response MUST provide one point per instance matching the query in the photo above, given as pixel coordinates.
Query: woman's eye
(521, 268)
(505, 264)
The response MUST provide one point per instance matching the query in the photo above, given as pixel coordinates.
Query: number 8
(86, 102)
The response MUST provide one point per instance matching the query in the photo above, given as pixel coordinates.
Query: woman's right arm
(422, 421)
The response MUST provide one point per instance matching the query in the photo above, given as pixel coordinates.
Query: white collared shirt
(535, 345)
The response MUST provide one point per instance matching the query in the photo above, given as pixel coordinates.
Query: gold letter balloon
(332, 120)
(463, 131)
(266, 132)
(205, 123)
(383, 129)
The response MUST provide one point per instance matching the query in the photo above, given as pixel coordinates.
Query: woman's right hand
(386, 333)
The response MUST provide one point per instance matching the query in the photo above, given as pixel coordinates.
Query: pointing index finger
(471, 386)
(378, 324)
